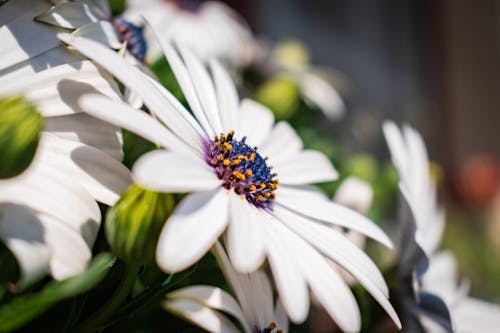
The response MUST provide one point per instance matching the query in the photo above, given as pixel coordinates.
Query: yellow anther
(217, 144)
(260, 197)
(271, 326)
(236, 162)
(253, 188)
(249, 173)
(226, 162)
(252, 156)
(262, 186)
(231, 132)
(267, 195)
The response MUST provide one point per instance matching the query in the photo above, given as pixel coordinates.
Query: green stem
(97, 320)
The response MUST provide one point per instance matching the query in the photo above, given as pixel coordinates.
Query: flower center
(132, 35)
(268, 329)
(241, 168)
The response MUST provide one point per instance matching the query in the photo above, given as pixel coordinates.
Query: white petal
(245, 240)
(69, 15)
(170, 172)
(204, 317)
(355, 194)
(86, 129)
(121, 115)
(344, 253)
(328, 287)
(185, 82)
(311, 205)
(306, 167)
(227, 96)
(130, 76)
(203, 86)
(281, 143)
(22, 233)
(475, 316)
(290, 282)
(56, 90)
(255, 122)
(192, 229)
(318, 92)
(212, 297)
(100, 31)
(280, 317)
(24, 38)
(11, 10)
(104, 177)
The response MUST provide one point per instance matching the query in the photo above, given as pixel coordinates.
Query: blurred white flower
(253, 305)
(211, 29)
(213, 156)
(432, 296)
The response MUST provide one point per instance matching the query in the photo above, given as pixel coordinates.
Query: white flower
(436, 302)
(231, 185)
(78, 156)
(212, 30)
(48, 215)
(208, 306)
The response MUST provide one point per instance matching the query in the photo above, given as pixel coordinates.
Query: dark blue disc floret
(242, 169)
(133, 36)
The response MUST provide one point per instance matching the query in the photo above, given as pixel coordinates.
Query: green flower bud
(134, 223)
(281, 94)
(20, 127)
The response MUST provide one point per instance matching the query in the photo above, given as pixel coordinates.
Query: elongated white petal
(328, 287)
(336, 247)
(344, 253)
(56, 90)
(227, 96)
(311, 205)
(281, 143)
(70, 254)
(474, 316)
(185, 82)
(69, 15)
(245, 239)
(212, 297)
(255, 122)
(306, 167)
(104, 177)
(120, 114)
(203, 86)
(318, 92)
(22, 233)
(208, 319)
(129, 75)
(192, 229)
(24, 38)
(12, 9)
(170, 172)
(101, 31)
(86, 129)
(290, 282)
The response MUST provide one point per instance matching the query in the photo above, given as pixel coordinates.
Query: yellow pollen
(226, 162)
(249, 173)
(252, 156)
(220, 157)
(253, 188)
(262, 186)
(236, 162)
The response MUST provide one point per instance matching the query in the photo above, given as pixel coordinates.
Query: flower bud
(134, 223)
(20, 126)
(281, 94)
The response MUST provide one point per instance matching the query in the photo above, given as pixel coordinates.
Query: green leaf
(24, 308)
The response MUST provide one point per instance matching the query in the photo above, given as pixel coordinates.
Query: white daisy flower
(211, 29)
(435, 300)
(252, 306)
(48, 215)
(213, 155)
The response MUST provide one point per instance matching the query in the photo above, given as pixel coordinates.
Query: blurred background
(432, 64)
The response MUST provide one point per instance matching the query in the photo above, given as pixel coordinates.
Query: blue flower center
(242, 169)
(133, 36)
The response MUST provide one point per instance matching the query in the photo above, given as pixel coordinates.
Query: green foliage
(24, 308)
(20, 126)
(134, 223)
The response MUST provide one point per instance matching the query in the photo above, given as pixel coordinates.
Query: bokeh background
(432, 64)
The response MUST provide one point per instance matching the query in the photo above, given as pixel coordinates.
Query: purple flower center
(132, 35)
(242, 169)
